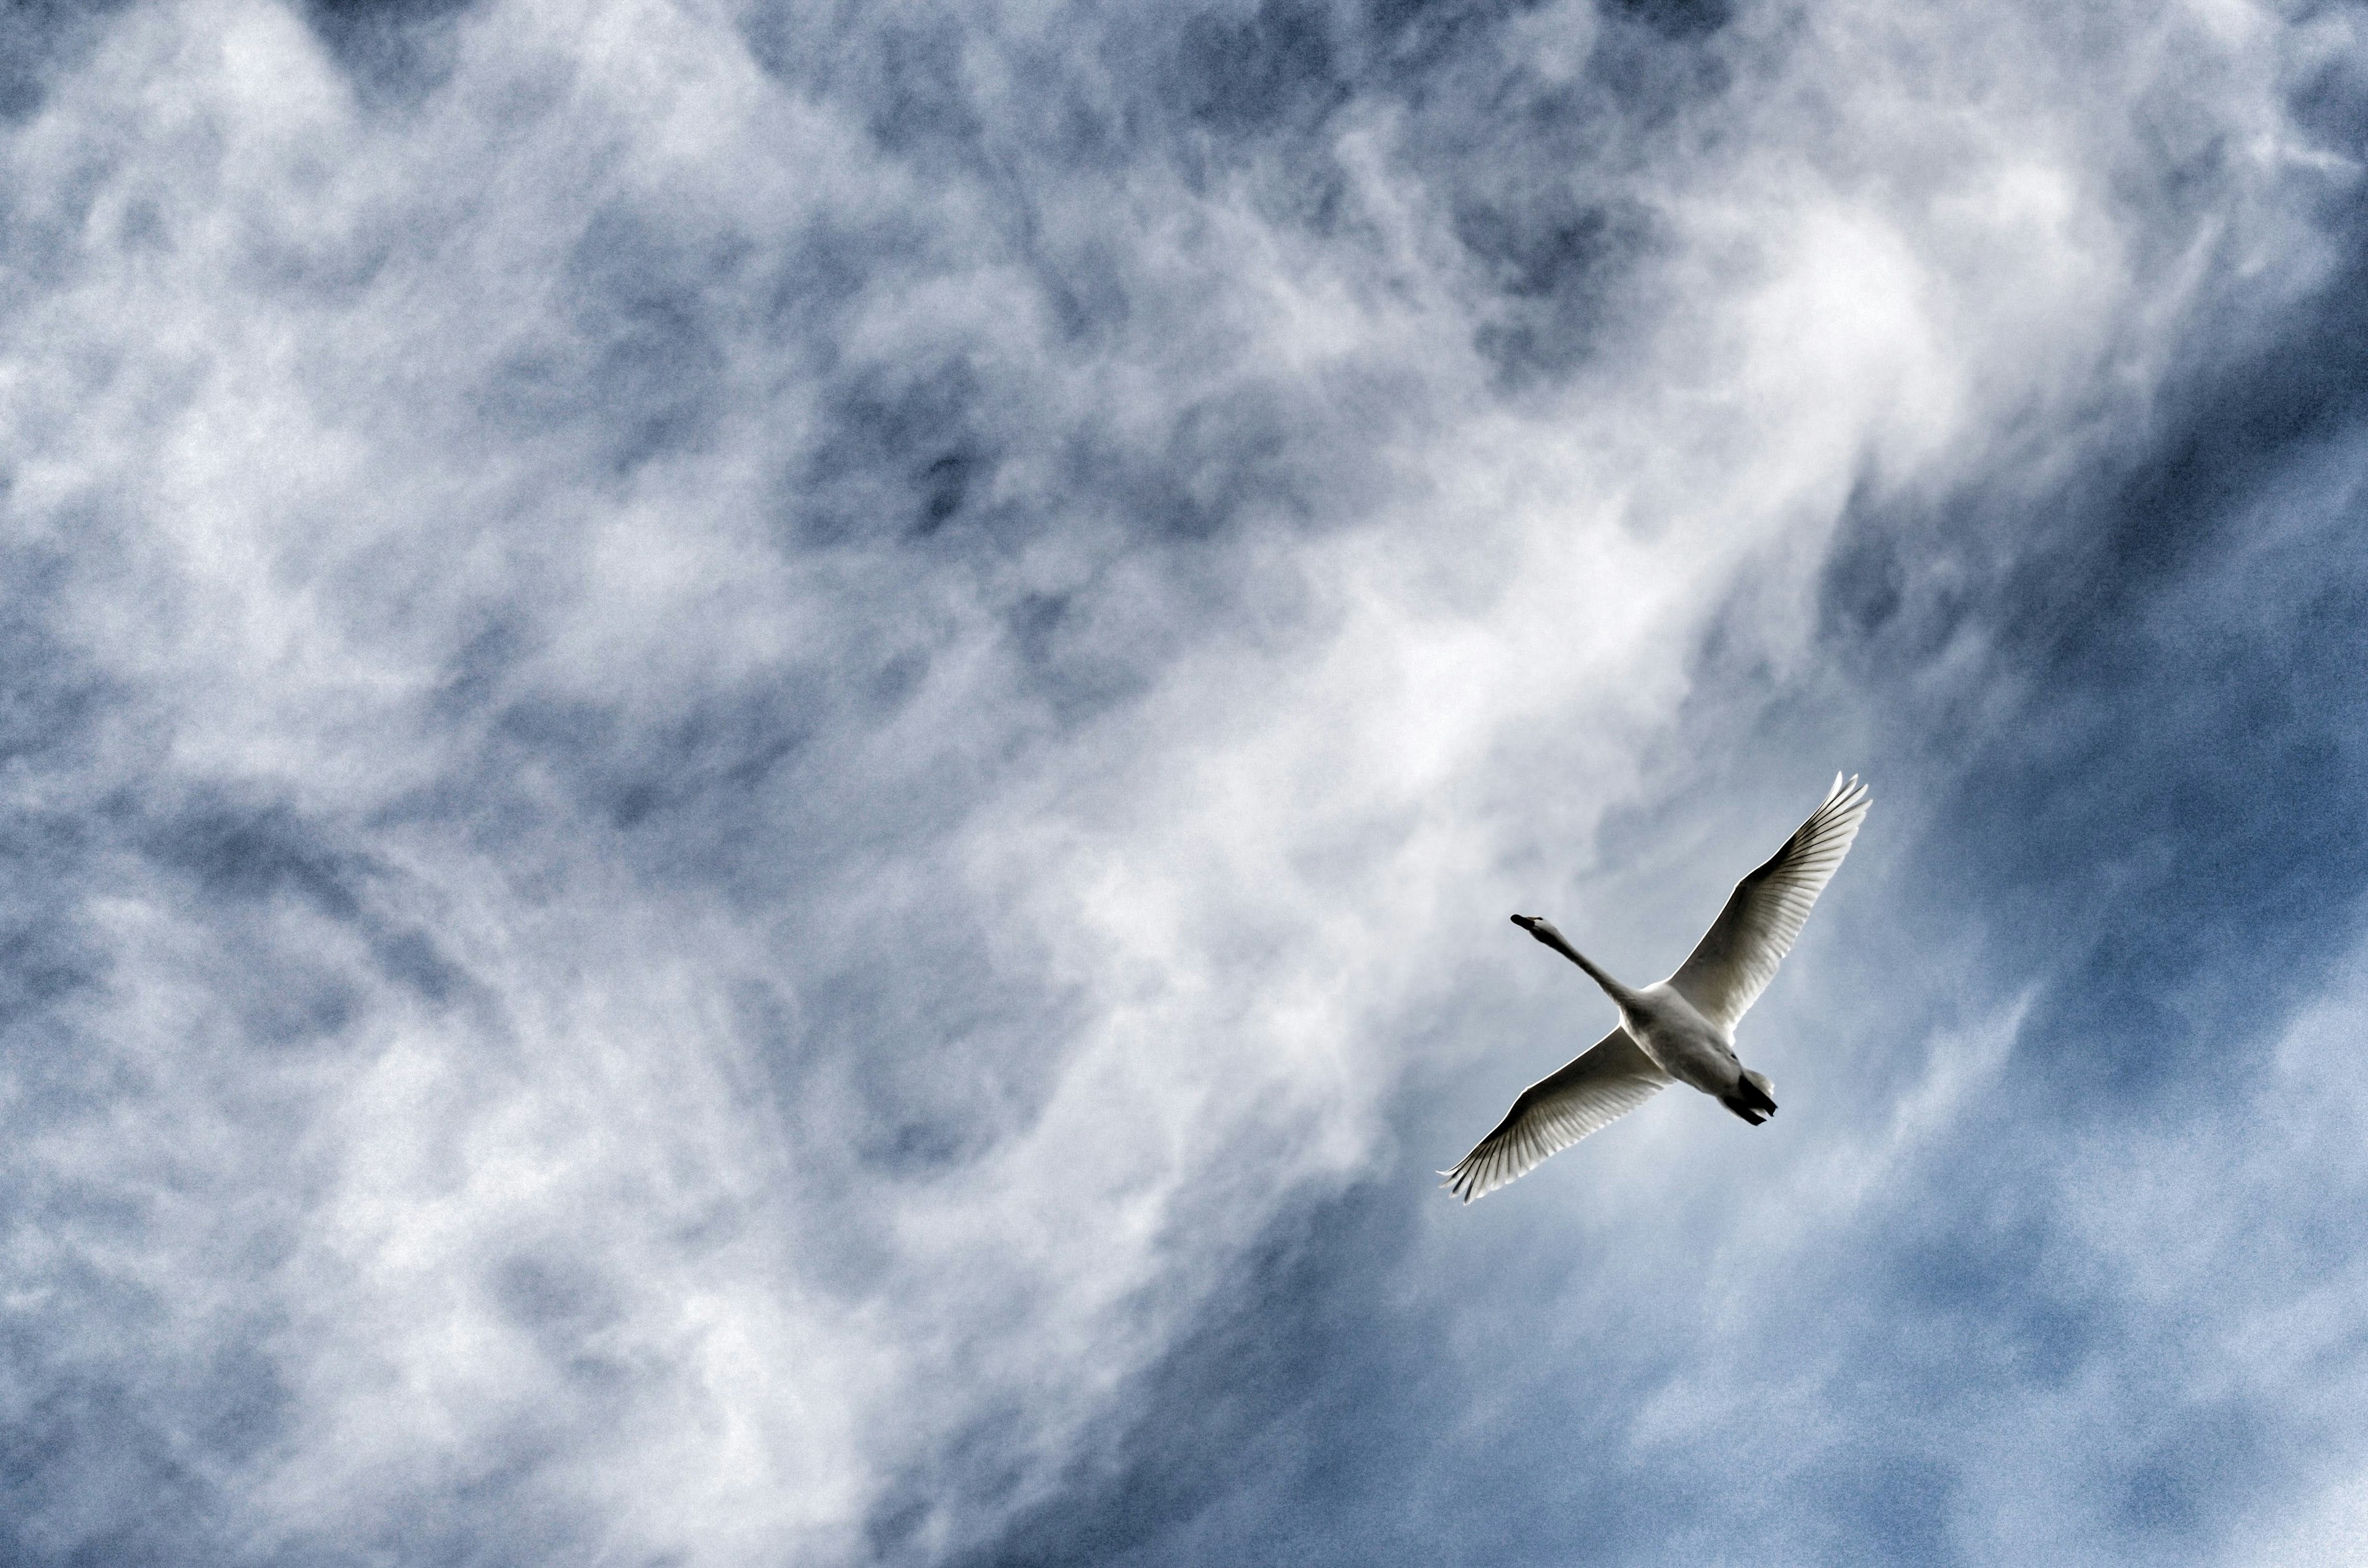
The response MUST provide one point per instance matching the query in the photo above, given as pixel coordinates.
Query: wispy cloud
(762, 768)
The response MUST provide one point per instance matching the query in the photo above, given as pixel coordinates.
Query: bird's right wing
(1736, 960)
(1612, 1079)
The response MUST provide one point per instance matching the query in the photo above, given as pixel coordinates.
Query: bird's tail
(1752, 1098)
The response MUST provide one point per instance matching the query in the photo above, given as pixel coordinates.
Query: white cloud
(317, 403)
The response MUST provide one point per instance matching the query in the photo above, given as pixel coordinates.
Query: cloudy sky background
(762, 766)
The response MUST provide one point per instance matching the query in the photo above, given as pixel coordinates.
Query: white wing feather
(1612, 1078)
(1735, 961)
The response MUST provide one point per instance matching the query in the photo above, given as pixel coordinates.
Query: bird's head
(1536, 925)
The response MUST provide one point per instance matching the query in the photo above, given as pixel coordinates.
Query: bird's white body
(1680, 1030)
(1681, 1042)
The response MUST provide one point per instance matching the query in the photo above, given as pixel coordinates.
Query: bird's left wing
(1738, 957)
(1612, 1079)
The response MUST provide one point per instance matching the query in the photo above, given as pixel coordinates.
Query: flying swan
(1681, 1029)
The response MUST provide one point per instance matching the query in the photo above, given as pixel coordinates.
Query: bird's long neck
(1611, 988)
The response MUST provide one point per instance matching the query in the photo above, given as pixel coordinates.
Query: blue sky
(761, 765)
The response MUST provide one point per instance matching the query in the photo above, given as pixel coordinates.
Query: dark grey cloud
(761, 771)
(391, 50)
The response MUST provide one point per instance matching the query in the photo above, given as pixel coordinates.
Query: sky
(760, 765)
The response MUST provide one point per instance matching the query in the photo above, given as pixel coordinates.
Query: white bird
(1680, 1030)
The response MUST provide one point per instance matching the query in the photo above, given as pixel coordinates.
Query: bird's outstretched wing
(1612, 1079)
(1734, 962)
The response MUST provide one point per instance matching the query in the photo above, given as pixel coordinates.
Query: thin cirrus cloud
(763, 765)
